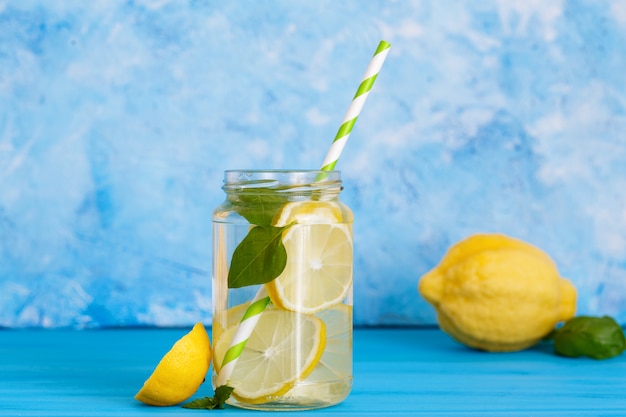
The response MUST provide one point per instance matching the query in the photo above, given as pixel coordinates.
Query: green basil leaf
(595, 337)
(222, 393)
(259, 258)
(258, 206)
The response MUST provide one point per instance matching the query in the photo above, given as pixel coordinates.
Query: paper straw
(242, 334)
(341, 138)
(261, 299)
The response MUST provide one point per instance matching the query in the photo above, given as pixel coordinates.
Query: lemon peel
(497, 293)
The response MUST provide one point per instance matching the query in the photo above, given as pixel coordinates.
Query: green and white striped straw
(341, 138)
(242, 334)
(261, 299)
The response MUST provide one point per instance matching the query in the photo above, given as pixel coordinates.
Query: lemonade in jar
(282, 290)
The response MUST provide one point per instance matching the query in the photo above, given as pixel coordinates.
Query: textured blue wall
(117, 120)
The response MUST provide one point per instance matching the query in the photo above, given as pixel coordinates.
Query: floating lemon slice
(318, 273)
(334, 365)
(312, 212)
(284, 349)
(331, 380)
(180, 372)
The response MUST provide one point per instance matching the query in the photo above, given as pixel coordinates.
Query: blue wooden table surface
(397, 372)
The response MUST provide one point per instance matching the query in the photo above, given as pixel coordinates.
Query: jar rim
(302, 179)
(281, 171)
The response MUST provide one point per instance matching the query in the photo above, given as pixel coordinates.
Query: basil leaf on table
(595, 337)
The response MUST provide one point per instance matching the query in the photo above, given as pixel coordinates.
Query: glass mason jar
(282, 290)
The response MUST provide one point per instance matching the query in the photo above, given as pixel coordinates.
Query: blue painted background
(117, 119)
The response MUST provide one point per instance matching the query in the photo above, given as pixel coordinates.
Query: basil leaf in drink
(259, 258)
(260, 205)
(257, 211)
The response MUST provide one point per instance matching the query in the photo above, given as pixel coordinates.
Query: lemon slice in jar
(334, 365)
(318, 243)
(331, 380)
(283, 349)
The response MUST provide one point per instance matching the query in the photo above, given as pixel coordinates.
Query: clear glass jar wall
(282, 290)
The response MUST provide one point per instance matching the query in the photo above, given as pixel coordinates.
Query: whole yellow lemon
(497, 293)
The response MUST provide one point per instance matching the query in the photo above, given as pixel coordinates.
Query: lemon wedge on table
(497, 293)
(284, 348)
(318, 243)
(180, 372)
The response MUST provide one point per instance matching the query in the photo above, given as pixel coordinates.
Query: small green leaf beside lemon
(222, 393)
(594, 337)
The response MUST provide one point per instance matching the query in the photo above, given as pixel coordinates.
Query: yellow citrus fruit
(283, 349)
(311, 212)
(497, 293)
(318, 243)
(180, 372)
